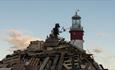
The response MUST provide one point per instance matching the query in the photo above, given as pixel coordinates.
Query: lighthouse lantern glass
(76, 22)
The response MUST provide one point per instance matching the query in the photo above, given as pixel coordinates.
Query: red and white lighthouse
(76, 32)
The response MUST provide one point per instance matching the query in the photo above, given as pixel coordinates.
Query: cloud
(18, 40)
(94, 47)
(97, 50)
(101, 34)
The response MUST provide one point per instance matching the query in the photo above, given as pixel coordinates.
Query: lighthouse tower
(76, 32)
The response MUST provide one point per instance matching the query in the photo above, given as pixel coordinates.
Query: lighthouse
(76, 32)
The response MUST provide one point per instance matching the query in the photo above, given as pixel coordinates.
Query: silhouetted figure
(56, 30)
(52, 40)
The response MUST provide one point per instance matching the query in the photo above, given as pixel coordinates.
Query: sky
(22, 21)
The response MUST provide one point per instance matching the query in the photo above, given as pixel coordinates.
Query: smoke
(97, 50)
(18, 40)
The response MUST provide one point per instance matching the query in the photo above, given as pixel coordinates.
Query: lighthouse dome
(76, 16)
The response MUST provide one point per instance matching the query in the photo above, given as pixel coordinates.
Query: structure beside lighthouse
(76, 32)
